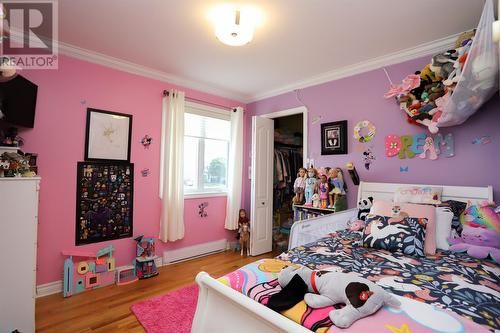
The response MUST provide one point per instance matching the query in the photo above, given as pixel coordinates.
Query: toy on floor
(126, 275)
(360, 296)
(244, 231)
(145, 266)
(94, 271)
(480, 234)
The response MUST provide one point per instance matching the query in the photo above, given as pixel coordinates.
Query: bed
(460, 293)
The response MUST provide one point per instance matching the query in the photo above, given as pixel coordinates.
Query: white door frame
(290, 112)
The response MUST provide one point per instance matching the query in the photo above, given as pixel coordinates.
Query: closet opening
(288, 158)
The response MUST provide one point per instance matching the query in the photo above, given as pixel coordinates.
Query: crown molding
(133, 68)
(421, 50)
(364, 66)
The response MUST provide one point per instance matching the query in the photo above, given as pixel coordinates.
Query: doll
(323, 191)
(299, 186)
(337, 185)
(244, 231)
(310, 188)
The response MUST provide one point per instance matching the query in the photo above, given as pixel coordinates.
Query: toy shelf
(301, 212)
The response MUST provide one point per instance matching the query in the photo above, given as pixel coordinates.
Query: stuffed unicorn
(481, 233)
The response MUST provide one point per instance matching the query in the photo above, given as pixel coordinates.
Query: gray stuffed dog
(361, 296)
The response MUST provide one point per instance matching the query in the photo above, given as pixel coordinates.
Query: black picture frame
(117, 151)
(334, 138)
(104, 201)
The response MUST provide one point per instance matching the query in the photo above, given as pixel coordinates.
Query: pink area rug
(172, 312)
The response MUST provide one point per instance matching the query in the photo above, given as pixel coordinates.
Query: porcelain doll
(337, 185)
(299, 186)
(323, 191)
(310, 188)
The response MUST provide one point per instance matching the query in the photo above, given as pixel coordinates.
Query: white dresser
(18, 243)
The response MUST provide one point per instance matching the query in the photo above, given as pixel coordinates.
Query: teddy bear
(364, 206)
(320, 289)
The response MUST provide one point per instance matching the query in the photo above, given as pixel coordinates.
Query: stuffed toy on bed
(360, 296)
(480, 234)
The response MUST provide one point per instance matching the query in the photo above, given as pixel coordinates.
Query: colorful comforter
(448, 281)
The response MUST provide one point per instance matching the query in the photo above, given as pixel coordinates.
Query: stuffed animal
(4, 166)
(481, 233)
(397, 214)
(360, 296)
(364, 206)
(316, 200)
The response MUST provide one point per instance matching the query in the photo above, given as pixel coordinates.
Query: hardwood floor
(108, 309)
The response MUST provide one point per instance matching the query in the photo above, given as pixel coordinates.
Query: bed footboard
(222, 309)
(307, 231)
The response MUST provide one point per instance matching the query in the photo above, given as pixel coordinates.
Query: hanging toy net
(456, 83)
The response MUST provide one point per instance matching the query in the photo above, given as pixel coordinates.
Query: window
(206, 149)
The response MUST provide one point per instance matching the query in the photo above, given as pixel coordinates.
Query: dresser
(18, 243)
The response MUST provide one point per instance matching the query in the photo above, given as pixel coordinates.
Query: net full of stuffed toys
(456, 83)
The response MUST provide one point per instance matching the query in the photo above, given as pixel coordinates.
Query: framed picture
(334, 138)
(107, 136)
(104, 201)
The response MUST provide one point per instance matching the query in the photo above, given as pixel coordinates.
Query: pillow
(406, 236)
(444, 217)
(384, 208)
(457, 207)
(419, 194)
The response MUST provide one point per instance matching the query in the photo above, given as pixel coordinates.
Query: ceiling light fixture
(235, 26)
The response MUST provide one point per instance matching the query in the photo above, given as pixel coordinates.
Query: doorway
(279, 149)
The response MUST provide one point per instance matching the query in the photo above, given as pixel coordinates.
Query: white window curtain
(172, 168)
(235, 170)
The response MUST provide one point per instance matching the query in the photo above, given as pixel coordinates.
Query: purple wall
(359, 98)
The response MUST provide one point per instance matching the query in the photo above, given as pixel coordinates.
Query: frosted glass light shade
(234, 27)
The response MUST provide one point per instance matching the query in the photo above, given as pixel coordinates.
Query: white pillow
(419, 195)
(444, 216)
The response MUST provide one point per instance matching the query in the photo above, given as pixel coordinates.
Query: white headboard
(385, 191)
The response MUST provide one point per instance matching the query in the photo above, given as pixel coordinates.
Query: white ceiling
(297, 40)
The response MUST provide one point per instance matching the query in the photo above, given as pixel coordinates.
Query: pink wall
(59, 136)
(358, 98)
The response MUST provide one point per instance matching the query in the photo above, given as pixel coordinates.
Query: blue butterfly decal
(403, 169)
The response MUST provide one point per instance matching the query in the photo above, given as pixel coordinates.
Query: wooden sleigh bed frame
(222, 309)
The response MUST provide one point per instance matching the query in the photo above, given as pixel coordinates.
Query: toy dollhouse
(84, 271)
(145, 265)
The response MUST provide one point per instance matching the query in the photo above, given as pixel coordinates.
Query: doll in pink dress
(323, 191)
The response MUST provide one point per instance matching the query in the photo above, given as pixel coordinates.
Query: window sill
(204, 195)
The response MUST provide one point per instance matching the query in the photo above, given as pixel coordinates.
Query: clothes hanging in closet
(287, 161)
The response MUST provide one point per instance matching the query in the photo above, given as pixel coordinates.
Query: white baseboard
(49, 288)
(190, 252)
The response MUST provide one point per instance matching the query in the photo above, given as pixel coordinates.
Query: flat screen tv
(18, 101)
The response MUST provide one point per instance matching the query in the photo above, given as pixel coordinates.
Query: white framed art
(108, 136)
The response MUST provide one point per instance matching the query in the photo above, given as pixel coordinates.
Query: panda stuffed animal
(364, 206)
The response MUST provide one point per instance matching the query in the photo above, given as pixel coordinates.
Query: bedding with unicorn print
(449, 292)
